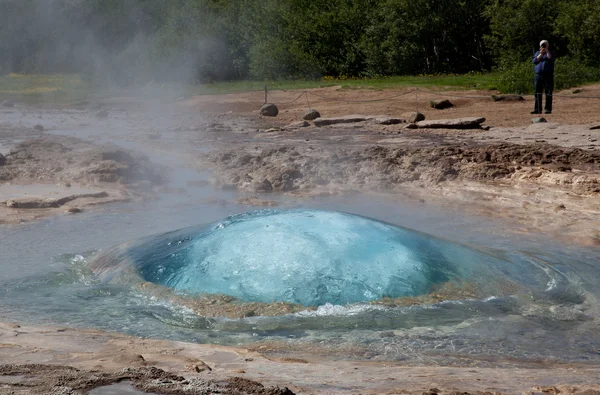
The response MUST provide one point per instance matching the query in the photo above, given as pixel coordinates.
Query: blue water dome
(308, 257)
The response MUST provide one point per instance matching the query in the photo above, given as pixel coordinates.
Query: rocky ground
(543, 177)
(47, 174)
(58, 360)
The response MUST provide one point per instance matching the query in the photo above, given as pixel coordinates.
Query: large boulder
(413, 116)
(457, 123)
(269, 110)
(441, 104)
(312, 115)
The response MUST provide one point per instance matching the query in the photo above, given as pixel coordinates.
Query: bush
(568, 73)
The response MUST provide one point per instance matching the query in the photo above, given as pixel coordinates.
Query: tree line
(131, 41)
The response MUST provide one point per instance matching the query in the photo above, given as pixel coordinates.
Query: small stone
(312, 115)
(9, 104)
(595, 127)
(269, 110)
(102, 114)
(413, 116)
(2, 160)
(538, 120)
(410, 126)
(38, 128)
(73, 210)
(560, 207)
(441, 104)
(239, 371)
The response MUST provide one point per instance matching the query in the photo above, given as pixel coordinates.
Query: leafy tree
(517, 26)
(579, 23)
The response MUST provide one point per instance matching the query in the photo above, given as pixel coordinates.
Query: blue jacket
(545, 66)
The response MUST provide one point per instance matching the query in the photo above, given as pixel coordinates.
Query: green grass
(42, 87)
(467, 81)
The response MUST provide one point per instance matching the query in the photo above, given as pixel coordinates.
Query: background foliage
(140, 41)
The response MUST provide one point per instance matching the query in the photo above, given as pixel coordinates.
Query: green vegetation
(127, 43)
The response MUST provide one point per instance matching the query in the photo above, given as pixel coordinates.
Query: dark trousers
(543, 83)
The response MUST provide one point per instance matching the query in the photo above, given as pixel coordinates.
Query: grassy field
(66, 88)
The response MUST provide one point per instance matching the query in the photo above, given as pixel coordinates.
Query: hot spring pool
(331, 282)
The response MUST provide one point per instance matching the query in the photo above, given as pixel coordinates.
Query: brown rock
(387, 120)
(413, 116)
(269, 110)
(441, 104)
(457, 123)
(345, 119)
(312, 115)
(73, 210)
(595, 127)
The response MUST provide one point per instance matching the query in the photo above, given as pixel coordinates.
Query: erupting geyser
(300, 256)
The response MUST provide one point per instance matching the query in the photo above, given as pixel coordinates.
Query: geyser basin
(307, 257)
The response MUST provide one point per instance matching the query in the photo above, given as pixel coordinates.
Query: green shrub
(517, 79)
(568, 73)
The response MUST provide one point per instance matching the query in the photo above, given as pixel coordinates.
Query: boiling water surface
(358, 287)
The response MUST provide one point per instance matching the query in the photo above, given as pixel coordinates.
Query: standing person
(543, 61)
